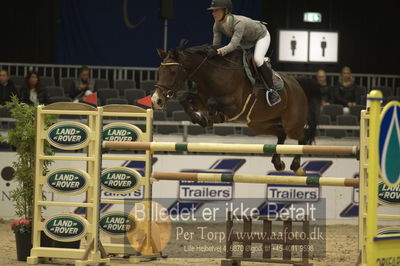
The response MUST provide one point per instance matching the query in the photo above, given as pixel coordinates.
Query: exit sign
(313, 17)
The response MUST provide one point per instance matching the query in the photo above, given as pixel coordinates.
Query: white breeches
(261, 49)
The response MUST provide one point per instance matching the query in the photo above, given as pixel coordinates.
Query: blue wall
(93, 32)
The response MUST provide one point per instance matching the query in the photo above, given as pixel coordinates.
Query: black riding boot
(271, 94)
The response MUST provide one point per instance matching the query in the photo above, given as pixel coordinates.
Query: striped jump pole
(232, 148)
(259, 179)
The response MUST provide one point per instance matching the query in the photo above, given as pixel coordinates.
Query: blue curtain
(94, 32)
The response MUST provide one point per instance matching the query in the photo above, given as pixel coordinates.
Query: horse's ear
(162, 53)
(183, 43)
(175, 53)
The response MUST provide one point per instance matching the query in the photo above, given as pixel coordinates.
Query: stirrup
(273, 97)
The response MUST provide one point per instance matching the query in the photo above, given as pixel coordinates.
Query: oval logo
(67, 181)
(68, 135)
(389, 144)
(65, 227)
(117, 223)
(120, 180)
(122, 132)
(388, 194)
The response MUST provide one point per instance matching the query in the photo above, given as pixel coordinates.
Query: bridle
(170, 91)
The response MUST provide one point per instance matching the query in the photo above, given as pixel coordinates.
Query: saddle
(252, 74)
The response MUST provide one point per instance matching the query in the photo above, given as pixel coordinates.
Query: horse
(224, 93)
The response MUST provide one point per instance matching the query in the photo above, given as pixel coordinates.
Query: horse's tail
(312, 91)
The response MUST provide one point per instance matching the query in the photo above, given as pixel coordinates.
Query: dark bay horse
(224, 93)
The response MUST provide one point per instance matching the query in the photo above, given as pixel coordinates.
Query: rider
(247, 33)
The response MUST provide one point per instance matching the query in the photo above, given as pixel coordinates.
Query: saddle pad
(277, 80)
(247, 70)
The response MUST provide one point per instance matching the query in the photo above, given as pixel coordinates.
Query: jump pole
(232, 148)
(259, 179)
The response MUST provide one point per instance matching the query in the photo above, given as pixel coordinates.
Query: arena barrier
(376, 247)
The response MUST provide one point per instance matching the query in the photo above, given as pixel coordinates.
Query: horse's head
(171, 78)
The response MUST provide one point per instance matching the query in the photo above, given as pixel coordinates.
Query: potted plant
(22, 137)
(22, 229)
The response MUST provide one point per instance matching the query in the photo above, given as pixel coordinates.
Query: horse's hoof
(300, 172)
(280, 166)
(199, 118)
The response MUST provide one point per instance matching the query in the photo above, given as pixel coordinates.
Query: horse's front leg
(214, 111)
(192, 105)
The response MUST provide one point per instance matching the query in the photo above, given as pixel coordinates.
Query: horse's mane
(204, 49)
(200, 49)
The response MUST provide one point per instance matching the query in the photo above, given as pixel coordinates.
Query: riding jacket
(243, 32)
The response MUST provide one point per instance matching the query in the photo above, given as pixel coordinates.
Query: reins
(197, 68)
(170, 90)
(228, 68)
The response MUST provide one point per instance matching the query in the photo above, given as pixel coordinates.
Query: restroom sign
(293, 46)
(323, 47)
(308, 46)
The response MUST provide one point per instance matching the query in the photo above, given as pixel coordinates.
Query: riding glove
(212, 53)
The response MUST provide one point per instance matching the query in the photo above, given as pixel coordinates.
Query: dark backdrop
(96, 32)
(28, 31)
(368, 39)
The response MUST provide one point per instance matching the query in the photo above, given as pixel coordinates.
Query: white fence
(58, 72)
(139, 74)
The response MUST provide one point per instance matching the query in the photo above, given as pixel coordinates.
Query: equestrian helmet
(216, 4)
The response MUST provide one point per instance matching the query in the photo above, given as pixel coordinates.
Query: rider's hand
(211, 53)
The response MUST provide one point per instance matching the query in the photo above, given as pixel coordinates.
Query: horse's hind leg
(293, 121)
(276, 158)
(297, 133)
(295, 166)
(275, 130)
